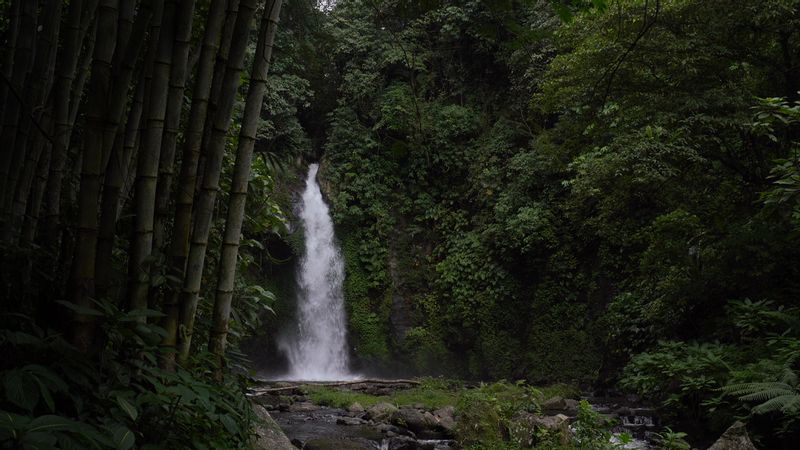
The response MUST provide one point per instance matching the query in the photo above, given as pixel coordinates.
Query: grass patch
(435, 393)
(431, 393)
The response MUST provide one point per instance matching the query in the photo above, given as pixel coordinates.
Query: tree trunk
(74, 158)
(15, 11)
(13, 157)
(116, 173)
(180, 56)
(66, 65)
(147, 165)
(215, 151)
(184, 195)
(35, 203)
(125, 59)
(118, 158)
(216, 82)
(241, 177)
(37, 86)
(83, 267)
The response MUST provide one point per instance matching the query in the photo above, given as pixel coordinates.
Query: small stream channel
(315, 427)
(331, 428)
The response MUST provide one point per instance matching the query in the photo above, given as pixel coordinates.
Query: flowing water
(317, 348)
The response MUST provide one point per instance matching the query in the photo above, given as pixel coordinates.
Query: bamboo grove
(124, 109)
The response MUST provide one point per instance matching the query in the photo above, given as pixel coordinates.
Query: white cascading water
(317, 350)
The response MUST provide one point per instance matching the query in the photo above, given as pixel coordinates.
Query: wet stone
(350, 421)
(302, 407)
(335, 444)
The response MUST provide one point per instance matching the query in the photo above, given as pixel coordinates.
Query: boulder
(269, 401)
(446, 418)
(391, 430)
(381, 412)
(268, 435)
(571, 406)
(734, 438)
(415, 420)
(355, 408)
(558, 422)
(349, 421)
(554, 404)
(407, 443)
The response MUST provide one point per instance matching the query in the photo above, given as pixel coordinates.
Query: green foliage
(57, 397)
(492, 416)
(524, 196)
(775, 116)
(592, 430)
(754, 319)
(717, 382)
(484, 412)
(680, 375)
(367, 321)
(775, 396)
(672, 440)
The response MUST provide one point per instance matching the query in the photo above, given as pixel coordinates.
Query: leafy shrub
(488, 418)
(672, 440)
(678, 374)
(57, 397)
(484, 413)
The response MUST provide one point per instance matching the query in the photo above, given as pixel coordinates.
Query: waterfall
(317, 350)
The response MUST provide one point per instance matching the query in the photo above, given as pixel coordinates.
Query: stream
(315, 427)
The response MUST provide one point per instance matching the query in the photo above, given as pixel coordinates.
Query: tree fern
(783, 395)
(787, 404)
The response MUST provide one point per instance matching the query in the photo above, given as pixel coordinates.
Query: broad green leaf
(48, 399)
(51, 422)
(21, 390)
(53, 381)
(11, 421)
(40, 440)
(123, 438)
(84, 310)
(66, 442)
(127, 407)
(229, 424)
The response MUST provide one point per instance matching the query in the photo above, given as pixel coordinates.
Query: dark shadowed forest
(400, 224)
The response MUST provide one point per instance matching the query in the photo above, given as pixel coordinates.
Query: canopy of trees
(603, 192)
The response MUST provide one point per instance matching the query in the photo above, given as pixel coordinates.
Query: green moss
(327, 396)
(567, 354)
(369, 331)
(427, 352)
(430, 397)
(368, 317)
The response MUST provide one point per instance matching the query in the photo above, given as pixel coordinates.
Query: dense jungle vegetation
(604, 194)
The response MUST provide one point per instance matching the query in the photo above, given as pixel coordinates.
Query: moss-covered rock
(268, 435)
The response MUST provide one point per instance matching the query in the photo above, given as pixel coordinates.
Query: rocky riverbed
(387, 426)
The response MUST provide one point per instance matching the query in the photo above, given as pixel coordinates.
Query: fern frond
(793, 406)
(789, 377)
(777, 403)
(765, 395)
(756, 388)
